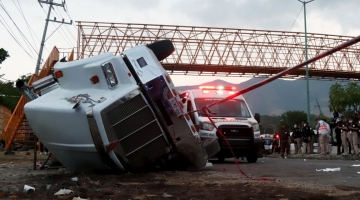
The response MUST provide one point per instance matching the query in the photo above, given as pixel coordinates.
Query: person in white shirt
(323, 131)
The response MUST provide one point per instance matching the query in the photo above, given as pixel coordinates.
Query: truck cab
(241, 134)
(118, 113)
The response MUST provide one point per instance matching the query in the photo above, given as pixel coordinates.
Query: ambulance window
(230, 108)
(189, 109)
(244, 109)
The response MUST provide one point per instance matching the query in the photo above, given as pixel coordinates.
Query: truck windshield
(231, 108)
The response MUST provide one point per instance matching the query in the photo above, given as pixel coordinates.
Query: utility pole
(306, 58)
(51, 4)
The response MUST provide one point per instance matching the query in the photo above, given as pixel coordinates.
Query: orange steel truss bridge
(226, 51)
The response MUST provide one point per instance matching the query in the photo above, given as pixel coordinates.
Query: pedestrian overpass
(226, 51)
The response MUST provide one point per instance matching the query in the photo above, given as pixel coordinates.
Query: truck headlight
(256, 128)
(110, 75)
(206, 126)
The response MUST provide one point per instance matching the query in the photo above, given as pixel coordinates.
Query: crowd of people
(346, 136)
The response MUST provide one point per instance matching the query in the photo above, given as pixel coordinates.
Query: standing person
(284, 141)
(334, 126)
(343, 126)
(306, 137)
(311, 141)
(358, 120)
(323, 130)
(353, 135)
(297, 139)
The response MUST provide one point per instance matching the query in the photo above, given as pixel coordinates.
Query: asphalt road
(297, 170)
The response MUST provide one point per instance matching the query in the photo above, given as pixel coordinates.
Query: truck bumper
(240, 150)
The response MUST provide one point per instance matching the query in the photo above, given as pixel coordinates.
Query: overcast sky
(323, 16)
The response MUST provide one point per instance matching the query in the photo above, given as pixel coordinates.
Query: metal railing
(18, 115)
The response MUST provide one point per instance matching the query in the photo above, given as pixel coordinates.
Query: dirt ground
(17, 171)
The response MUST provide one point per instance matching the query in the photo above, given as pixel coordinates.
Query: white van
(232, 117)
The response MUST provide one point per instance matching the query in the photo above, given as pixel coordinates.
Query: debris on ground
(166, 195)
(75, 179)
(63, 192)
(79, 198)
(28, 188)
(329, 169)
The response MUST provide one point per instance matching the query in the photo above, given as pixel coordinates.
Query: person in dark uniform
(284, 141)
(343, 125)
(353, 135)
(297, 139)
(334, 124)
(306, 133)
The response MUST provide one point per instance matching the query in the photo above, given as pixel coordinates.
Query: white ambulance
(232, 117)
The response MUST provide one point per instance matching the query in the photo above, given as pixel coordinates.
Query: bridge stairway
(18, 129)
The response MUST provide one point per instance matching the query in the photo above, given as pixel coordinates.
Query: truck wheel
(252, 158)
(162, 49)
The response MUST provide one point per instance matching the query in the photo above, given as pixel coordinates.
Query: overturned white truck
(118, 113)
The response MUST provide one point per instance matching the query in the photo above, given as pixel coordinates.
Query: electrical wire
(21, 33)
(296, 17)
(28, 26)
(11, 32)
(17, 41)
(25, 21)
(59, 13)
(68, 14)
(53, 31)
(59, 31)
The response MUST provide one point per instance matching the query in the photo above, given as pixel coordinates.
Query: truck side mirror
(257, 117)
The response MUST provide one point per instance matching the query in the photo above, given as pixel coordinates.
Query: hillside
(281, 95)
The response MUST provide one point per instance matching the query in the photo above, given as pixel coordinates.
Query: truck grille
(237, 136)
(237, 131)
(137, 129)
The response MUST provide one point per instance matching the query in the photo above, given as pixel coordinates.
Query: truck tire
(252, 158)
(162, 49)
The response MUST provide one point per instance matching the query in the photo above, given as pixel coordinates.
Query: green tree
(337, 98)
(9, 94)
(290, 118)
(352, 96)
(3, 55)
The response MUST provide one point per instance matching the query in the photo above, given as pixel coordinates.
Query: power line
(68, 14)
(65, 26)
(51, 4)
(296, 17)
(60, 32)
(11, 32)
(16, 40)
(28, 26)
(25, 21)
(23, 36)
(53, 32)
